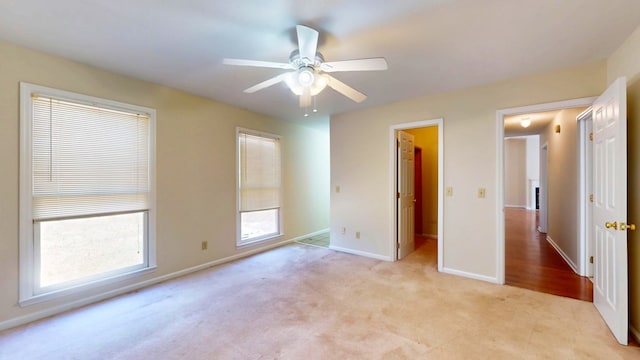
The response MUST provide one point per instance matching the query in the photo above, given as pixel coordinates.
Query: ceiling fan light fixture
(306, 77)
(296, 86)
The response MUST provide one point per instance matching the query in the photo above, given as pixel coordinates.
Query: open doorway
(542, 242)
(424, 225)
(608, 201)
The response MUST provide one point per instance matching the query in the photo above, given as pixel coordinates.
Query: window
(259, 186)
(87, 194)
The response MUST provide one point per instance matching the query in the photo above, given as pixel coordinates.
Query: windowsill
(258, 241)
(79, 289)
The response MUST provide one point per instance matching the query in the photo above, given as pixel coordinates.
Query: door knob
(624, 226)
(609, 225)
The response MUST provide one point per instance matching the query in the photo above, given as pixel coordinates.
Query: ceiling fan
(309, 75)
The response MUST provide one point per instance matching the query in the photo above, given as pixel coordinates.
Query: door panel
(417, 189)
(610, 208)
(406, 198)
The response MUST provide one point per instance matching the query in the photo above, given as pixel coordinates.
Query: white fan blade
(265, 84)
(307, 42)
(305, 98)
(345, 89)
(256, 63)
(373, 64)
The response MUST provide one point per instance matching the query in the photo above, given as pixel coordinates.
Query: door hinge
(590, 259)
(398, 245)
(591, 136)
(398, 195)
(591, 197)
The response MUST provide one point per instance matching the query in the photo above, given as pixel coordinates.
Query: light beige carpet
(304, 302)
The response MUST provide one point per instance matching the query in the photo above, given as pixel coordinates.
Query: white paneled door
(610, 208)
(406, 194)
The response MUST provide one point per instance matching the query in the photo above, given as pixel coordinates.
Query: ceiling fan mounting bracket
(299, 63)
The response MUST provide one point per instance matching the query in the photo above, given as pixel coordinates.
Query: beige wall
(195, 168)
(427, 139)
(563, 182)
(360, 165)
(515, 172)
(626, 62)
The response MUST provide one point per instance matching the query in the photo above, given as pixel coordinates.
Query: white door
(610, 207)
(406, 195)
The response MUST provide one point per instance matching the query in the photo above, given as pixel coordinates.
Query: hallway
(532, 263)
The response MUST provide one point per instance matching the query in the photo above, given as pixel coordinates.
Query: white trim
(471, 275)
(315, 233)
(439, 122)
(500, 197)
(543, 222)
(27, 262)
(21, 320)
(584, 120)
(361, 253)
(440, 194)
(56, 294)
(566, 257)
(500, 115)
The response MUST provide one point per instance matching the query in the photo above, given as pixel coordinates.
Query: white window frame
(28, 293)
(258, 239)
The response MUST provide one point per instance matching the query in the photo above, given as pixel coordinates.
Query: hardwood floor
(532, 263)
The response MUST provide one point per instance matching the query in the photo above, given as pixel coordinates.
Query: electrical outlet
(357, 234)
(481, 193)
(449, 191)
(205, 244)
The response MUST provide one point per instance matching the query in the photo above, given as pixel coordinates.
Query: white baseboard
(310, 235)
(469, 275)
(360, 253)
(515, 206)
(635, 333)
(21, 320)
(430, 236)
(566, 258)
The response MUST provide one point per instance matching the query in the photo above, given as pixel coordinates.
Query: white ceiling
(431, 46)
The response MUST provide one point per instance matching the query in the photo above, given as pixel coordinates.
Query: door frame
(585, 125)
(543, 195)
(500, 115)
(393, 236)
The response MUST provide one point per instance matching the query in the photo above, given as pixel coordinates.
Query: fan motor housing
(300, 63)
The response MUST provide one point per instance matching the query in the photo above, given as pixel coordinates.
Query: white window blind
(87, 160)
(260, 172)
